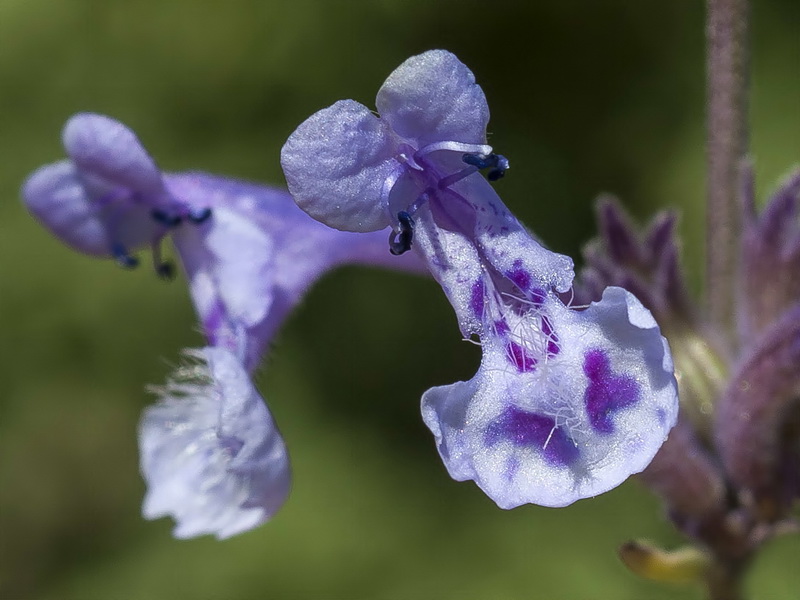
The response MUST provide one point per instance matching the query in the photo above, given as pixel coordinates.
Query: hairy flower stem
(726, 31)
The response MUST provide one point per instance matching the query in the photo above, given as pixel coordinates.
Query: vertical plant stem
(726, 39)
(725, 583)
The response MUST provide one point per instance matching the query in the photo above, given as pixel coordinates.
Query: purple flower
(109, 198)
(210, 452)
(254, 259)
(566, 403)
(248, 251)
(211, 455)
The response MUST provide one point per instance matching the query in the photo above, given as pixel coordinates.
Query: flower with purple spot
(566, 403)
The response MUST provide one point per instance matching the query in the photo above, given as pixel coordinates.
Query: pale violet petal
(210, 453)
(254, 257)
(56, 197)
(336, 164)
(241, 255)
(88, 216)
(433, 97)
(103, 146)
(551, 425)
(228, 261)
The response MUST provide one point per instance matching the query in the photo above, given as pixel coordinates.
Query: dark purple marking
(533, 430)
(519, 276)
(552, 339)
(477, 298)
(537, 296)
(607, 392)
(520, 357)
(501, 327)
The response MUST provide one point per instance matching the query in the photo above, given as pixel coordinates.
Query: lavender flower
(210, 452)
(256, 257)
(567, 403)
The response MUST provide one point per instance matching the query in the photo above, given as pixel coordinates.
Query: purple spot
(501, 327)
(538, 296)
(520, 357)
(476, 299)
(552, 339)
(519, 276)
(606, 392)
(532, 430)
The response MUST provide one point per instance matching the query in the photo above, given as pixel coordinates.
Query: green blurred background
(586, 97)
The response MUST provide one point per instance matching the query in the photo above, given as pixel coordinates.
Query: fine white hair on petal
(210, 453)
(573, 425)
(566, 403)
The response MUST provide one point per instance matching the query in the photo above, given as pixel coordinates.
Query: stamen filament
(446, 182)
(163, 268)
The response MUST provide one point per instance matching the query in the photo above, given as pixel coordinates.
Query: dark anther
(122, 258)
(401, 238)
(477, 160)
(500, 168)
(166, 270)
(497, 163)
(199, 216)
(166, 219)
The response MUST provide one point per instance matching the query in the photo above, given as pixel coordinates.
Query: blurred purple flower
(566, 403)
(210, 451)
(728, 474)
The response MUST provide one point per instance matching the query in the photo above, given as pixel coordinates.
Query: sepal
(757, 419)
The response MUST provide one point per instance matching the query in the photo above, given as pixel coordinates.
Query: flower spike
(566, 403)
